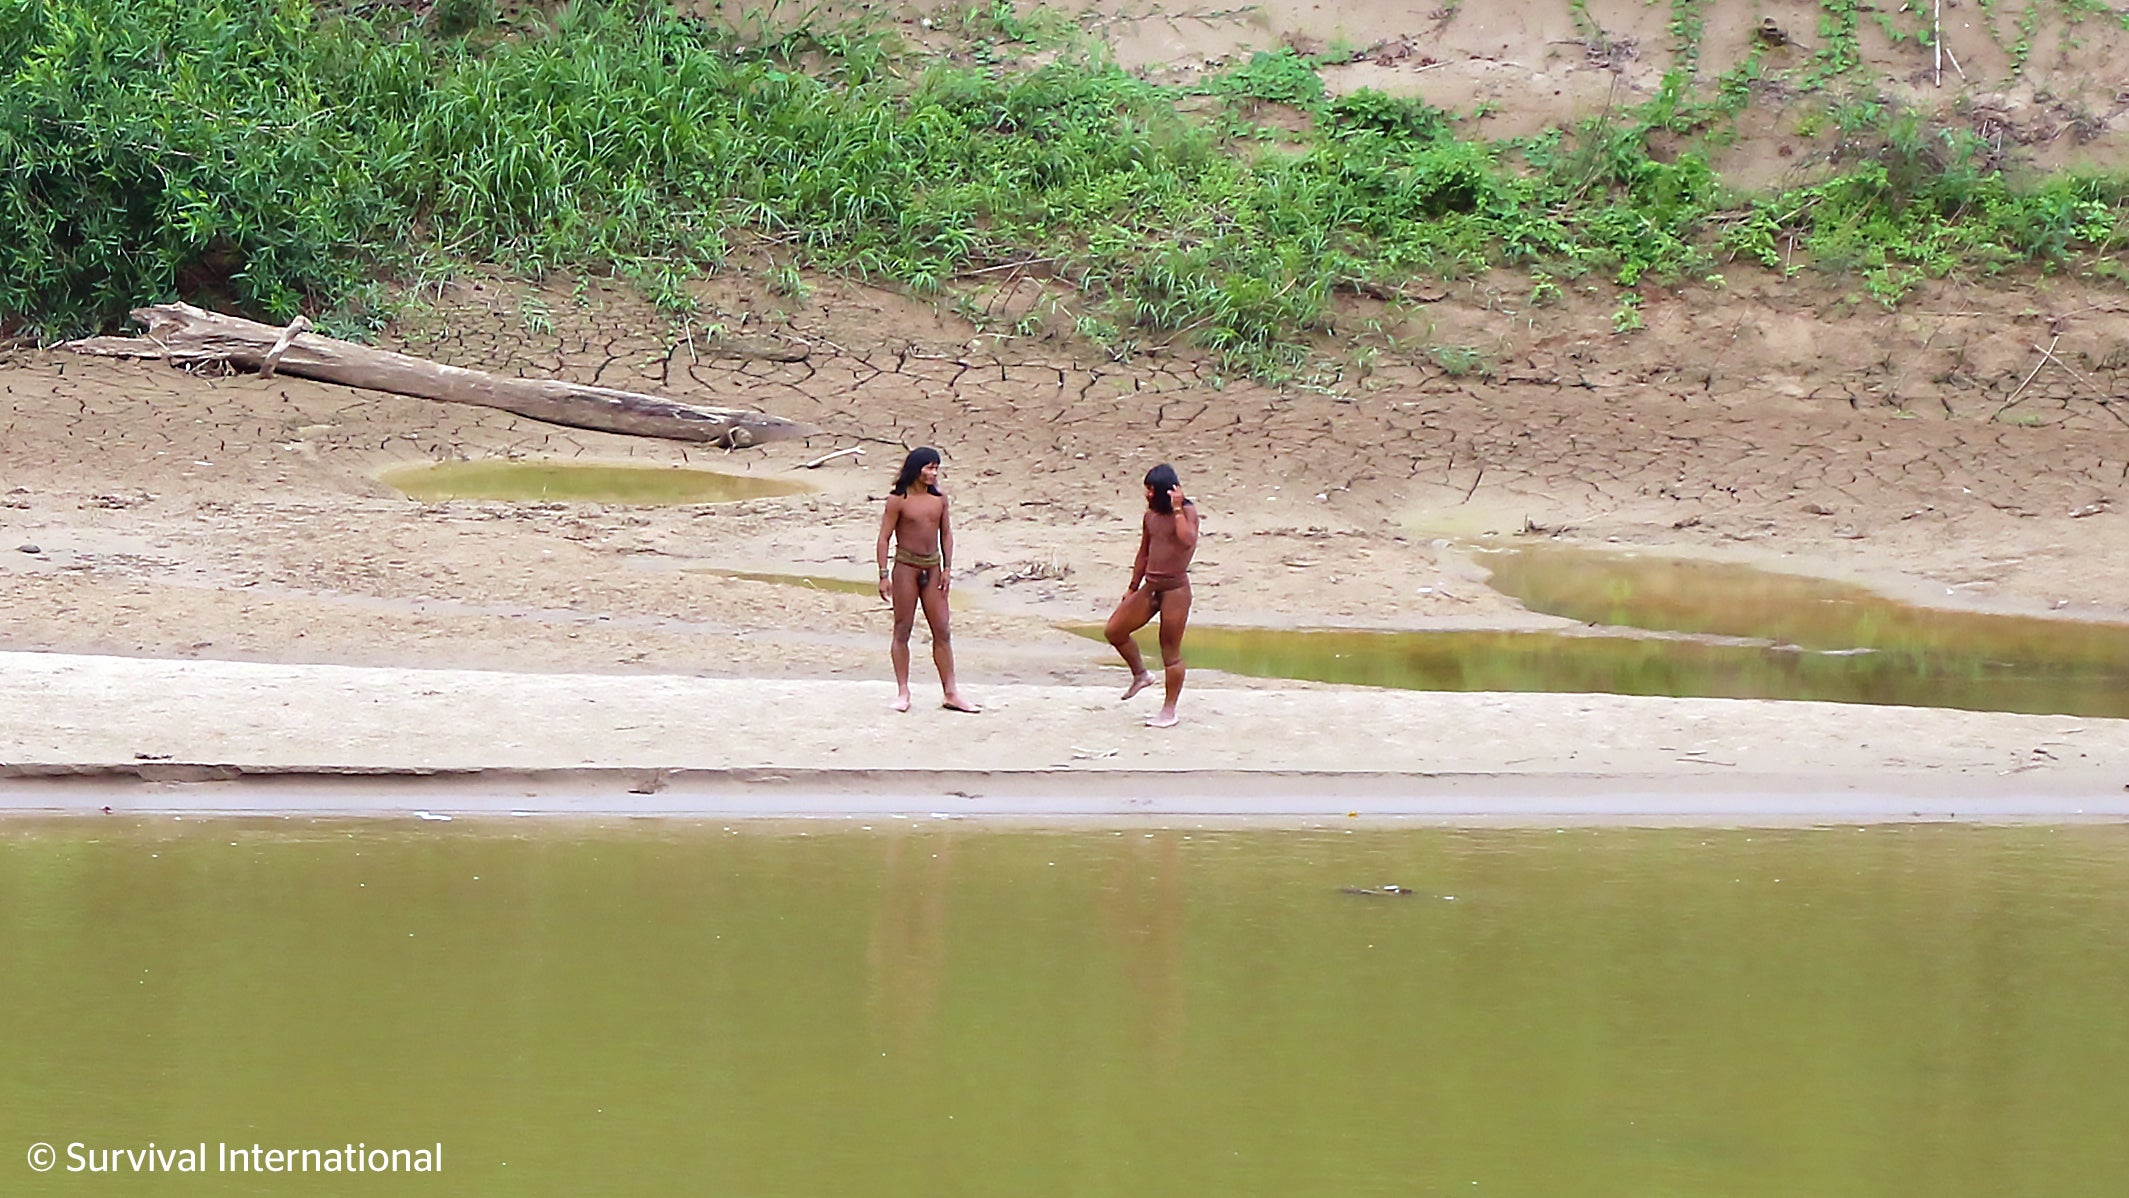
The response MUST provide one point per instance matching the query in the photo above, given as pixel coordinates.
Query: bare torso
(918, 517)
(1168, 550)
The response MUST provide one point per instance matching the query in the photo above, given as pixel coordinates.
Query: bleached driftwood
(826, 458)
(189, 336)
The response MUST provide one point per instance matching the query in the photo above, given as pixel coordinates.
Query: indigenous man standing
(916, 523)
(1160, 585)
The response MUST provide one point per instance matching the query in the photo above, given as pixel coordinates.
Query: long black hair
(1163, 480)
(914, 464)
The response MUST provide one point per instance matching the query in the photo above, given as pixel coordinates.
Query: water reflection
(680, 1009)
(906, 953)
(1142, 911)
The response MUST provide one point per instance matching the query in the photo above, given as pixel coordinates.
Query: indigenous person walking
(923, 553)
(1160, 585)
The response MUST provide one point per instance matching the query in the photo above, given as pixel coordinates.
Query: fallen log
(187, 336)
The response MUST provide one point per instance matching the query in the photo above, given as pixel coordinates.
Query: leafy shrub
(457, 18)
(1276, 77)
(1370, 112)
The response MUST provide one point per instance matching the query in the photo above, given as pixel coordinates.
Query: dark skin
(919, 523)
(1165, 545)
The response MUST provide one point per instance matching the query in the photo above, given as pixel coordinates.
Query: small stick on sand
(825, 458)
(2106, 401)
(2044, 356)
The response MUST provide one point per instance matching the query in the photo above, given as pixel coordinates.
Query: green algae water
(1677, 628)
(1726, 599)
(811, 582)
(929, 1008)
(1831, 640)
(1582, 663)
(554, 482)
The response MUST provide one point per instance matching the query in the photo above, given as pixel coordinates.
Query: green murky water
(812, 582)
(1677, 595)
(552, 482)
(1634, 665)
(1788, 637)
(673, 1009)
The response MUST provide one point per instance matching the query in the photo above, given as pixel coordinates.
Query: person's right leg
(1175, 616)
(902, 589)
(1130, 616)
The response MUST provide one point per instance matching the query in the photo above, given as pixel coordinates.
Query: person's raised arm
(1186, 519)
(888, 519)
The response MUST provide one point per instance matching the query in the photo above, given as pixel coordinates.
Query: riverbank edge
(1103, 797)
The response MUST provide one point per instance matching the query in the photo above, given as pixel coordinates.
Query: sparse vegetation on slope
(298, 161)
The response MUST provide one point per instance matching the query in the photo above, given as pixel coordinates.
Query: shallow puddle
(1666, 666)
(1681, 595)
(1790, 637)
(536, 482)
(812, 582)
(934, 1009)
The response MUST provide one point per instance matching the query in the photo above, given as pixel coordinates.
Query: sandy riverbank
(145, 735)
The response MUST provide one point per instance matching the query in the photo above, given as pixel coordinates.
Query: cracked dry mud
(1936, 453)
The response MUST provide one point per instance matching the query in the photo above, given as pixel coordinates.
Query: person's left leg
(936, 615)
(1175, 616)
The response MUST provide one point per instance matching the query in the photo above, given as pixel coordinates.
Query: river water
(936, 1008)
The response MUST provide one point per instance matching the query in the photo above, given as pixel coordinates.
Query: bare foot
(901, 701)
(955, 703)
(1166, 719)
(1139, 682)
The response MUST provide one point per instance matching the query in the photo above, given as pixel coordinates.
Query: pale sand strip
(587, 743)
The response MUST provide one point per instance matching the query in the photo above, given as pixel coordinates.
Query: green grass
(293, 161)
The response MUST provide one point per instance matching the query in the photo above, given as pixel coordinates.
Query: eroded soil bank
(1935, 453)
